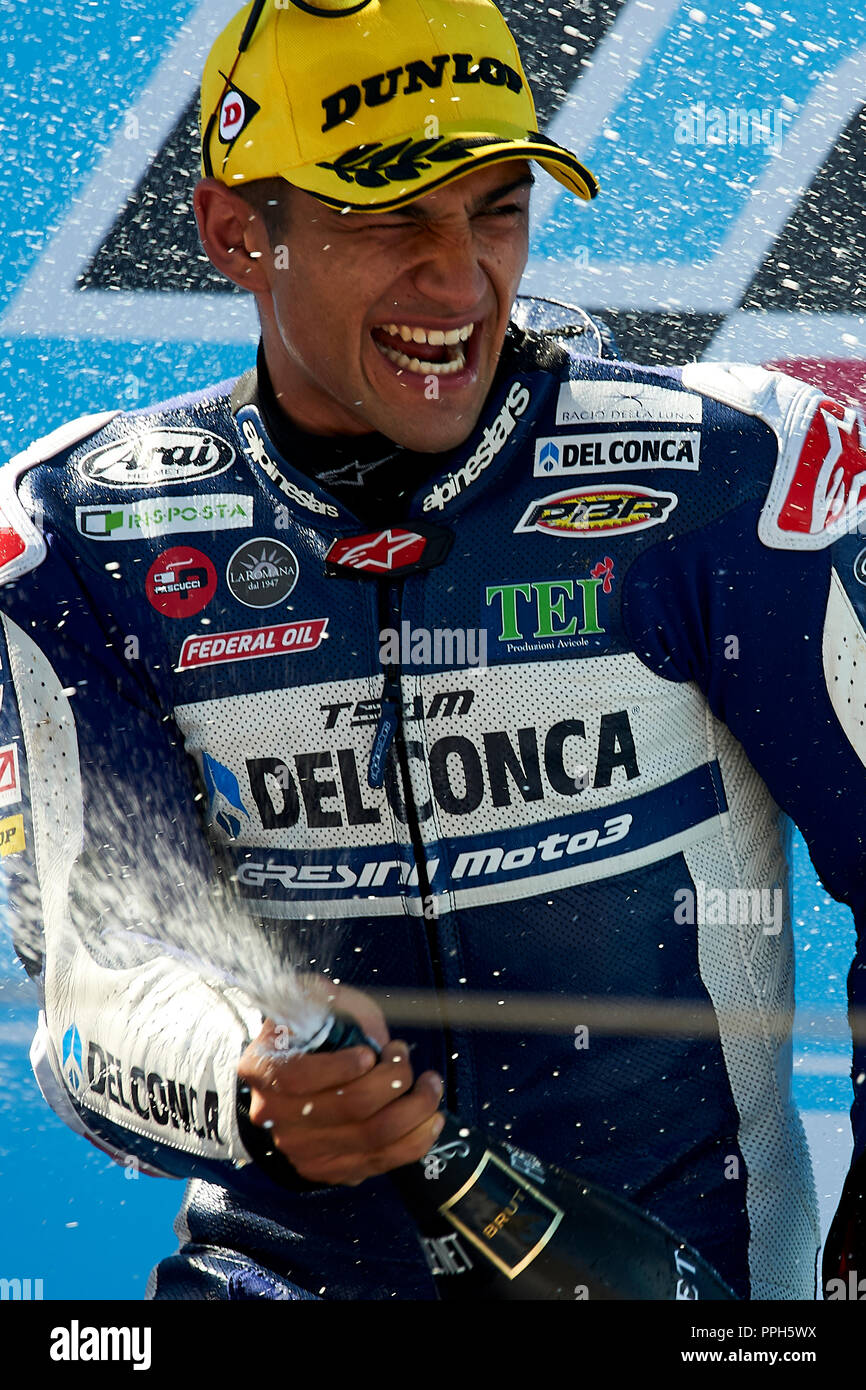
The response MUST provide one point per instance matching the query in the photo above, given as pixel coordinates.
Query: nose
(448, 271)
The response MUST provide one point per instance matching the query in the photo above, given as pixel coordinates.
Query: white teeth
(436, 337)
(414, 364)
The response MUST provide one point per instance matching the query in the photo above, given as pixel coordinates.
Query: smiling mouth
(428, 351)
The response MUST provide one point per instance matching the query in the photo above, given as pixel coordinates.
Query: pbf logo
(596, 511)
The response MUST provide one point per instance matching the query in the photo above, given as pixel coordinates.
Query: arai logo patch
(160, 458)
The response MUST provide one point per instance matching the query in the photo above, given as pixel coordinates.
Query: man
(489, 662)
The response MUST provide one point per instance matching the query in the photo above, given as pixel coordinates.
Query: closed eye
(505, 210)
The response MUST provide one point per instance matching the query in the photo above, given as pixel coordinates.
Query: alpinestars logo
(493, 440)
(257, 450)
(10, 775)
(11, 543)
(824, 494)
(392, 551)
(388, 550)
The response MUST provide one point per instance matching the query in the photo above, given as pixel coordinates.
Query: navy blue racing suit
(530, 734)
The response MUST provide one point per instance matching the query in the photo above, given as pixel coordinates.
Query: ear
(232, 234)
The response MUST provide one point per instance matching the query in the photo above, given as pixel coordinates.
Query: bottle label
(503, 1215)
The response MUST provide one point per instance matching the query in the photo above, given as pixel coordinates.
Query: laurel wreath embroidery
(373, 166)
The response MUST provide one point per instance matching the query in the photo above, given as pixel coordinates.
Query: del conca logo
(383, 87)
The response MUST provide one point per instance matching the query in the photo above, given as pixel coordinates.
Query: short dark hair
(269, 201)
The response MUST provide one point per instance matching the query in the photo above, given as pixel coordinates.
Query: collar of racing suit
(366, 473)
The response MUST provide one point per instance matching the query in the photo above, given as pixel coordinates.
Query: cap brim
(377, 178)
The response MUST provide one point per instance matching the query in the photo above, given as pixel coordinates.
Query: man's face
(394, 321)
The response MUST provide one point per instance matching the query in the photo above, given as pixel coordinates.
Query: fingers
(269, 1069)
(401, 1134)
(340, 1117)
(360, 1006)
(286, 1093)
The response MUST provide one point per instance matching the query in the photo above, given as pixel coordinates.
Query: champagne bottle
(497, 1223)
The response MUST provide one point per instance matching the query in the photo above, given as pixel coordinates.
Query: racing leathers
(531, 734)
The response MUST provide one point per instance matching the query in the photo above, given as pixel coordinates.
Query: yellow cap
(369, 104)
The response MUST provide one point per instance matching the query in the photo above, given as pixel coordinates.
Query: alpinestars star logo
(388, 550)
(394, 550)
(828, 485)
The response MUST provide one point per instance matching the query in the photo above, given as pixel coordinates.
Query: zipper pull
(385, 730)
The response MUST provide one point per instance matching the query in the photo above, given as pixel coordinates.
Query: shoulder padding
(818, 489)
(21, 545)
